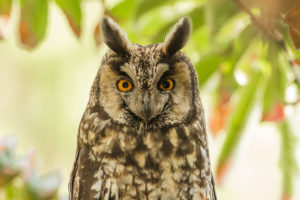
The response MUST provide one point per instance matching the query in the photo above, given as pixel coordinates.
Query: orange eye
(167, 85)
(124, 85)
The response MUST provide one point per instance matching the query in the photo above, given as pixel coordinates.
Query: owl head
(153, 86)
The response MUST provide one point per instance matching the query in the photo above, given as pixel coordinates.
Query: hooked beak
(147, 114)
(147, 106)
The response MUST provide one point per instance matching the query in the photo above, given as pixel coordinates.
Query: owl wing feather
(85, 183)
(214, 195)
(88, 181)
(73, 175)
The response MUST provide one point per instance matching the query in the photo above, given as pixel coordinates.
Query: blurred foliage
(18, 178)
(248, 46)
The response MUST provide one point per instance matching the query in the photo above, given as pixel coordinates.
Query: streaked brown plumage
(145, 139)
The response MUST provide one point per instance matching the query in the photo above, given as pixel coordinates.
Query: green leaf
(239, 117)
(206, 66)
(244, 41)
(5, 7)
(274, 92)
(288, 163)
(198, 19)
(72, 10)
(146, 5)
(279, 75)
(219, 12)
(124, 10)
(33, 21)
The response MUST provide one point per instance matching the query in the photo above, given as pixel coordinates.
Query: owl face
(147, 84)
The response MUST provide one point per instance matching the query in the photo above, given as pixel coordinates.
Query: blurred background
(245, 53)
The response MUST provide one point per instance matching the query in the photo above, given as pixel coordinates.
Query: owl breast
(170, 163)
(143, 135)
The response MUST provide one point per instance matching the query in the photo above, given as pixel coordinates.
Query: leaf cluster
(18, 176)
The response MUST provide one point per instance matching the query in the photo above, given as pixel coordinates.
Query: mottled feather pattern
(170, 163)
(120, 154)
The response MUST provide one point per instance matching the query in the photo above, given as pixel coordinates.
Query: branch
(275, 35)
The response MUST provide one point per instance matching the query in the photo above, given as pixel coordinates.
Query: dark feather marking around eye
(167, 73)
(126, 76)
(179, 57)
(116, 63)
(171, 61)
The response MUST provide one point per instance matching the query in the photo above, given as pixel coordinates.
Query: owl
(143, 134)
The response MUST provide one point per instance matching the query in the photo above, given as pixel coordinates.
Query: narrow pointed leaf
(206, 66)
(219, 117)
(273, 109)
(237, 122)
(276, 113)
(242, 43)
(72, 10)
(274, 93)
(288, 163)
(33, 22)
(222, 105)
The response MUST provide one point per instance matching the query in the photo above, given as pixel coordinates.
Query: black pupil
(125, 85)
(166, 84)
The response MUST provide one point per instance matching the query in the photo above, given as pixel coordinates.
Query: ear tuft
(114, 37)
(178, 36)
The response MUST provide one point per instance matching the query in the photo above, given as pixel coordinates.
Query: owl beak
(147, 107)
(147, 113)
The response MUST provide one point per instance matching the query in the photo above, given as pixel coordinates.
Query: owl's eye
(124, 85)
(167, 85)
